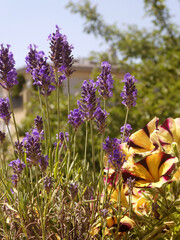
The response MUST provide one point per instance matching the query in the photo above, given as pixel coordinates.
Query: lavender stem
(125, 122)
(58, 103)
(93, 153)
(11, 138)
(48, 119)
(14, 120)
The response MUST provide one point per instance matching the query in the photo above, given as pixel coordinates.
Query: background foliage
(151, 55)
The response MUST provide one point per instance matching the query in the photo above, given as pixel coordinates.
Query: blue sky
(23, 22)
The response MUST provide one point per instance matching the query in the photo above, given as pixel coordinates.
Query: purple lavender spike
(105, 81)
(8, 73)
(4, 110)
(88, 102)
(40, 70)
(129, 93)
(75, 118)
(61, 53)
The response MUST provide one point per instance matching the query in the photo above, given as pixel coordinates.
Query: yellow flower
(151, 171)
(167, 135)
(176, 176)
(140, 142)
(125, 224)
(140, 204)
(113, 188)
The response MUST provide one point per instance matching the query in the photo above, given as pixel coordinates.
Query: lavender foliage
(8, 73)
(4, 110)
(129, 93)
(88, 102)
(73, 189)
(105, 81)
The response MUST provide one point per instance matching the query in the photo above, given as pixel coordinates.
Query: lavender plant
(49, 192)
(62, 59)
(8, 75)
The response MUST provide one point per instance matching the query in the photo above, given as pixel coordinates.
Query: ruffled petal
(140, 140)
(176, 176)
(126, 223)
(115, 194)
(167, 167)
(153, 170)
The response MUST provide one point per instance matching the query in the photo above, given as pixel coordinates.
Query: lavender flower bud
(38, 123)
(127, 132)
(33, 148)
(61, 79)
(100, 119)
(4, 110)
(19, 149)
(43, 163)
(88, 103)
(36, 133)
(75, 118)
(40, 70)
(48, 184)
(2, 137)
(105, 81)
(62, 138)
(117, 158)
(130, 183)
(8, 73)
(104, 213)
(129, 93)
(15, 180)
(38, 130)
(17, 166)
(110, 144)
(60, 53)
(112, 149)
(31, 59)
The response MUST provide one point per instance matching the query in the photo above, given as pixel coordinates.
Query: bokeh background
(24, 22)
